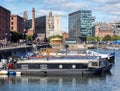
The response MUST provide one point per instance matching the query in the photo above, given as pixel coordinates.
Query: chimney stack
(33, 19)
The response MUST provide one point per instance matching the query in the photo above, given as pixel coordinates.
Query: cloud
(23, 1)
(55, 1)
(31, 1)
(103, 9)
(73, 6)
(107, 1)
(66, 5)
(42, 12)
(108, 9)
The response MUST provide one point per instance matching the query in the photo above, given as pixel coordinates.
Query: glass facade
(80, 24)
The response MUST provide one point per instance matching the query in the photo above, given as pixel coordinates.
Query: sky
(102, 10)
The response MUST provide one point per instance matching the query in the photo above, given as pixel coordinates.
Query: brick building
(29, 25)
(65, 35)
(103, 29)
(36, 26)
(4, 24)
(16, 24)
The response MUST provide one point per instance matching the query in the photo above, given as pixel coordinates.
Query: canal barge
(65, 63)
(61, 65)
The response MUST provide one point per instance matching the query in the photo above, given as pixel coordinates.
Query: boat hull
(59, 66)
(111, 59)
(107, 68)
(60, 71)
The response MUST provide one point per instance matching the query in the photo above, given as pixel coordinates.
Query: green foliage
(107, 38)
(56, 36)
(97, 38)
(90, 38)
(15, 36)
(28, 37)
(115, 38)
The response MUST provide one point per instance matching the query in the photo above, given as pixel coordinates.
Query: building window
(12, 28)
(11, 23)
(12, 18)
(73, 66)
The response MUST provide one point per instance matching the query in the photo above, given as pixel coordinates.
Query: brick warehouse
(16, 24)
(4, 24)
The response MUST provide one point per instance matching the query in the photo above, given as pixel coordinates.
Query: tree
(115, 38)
(15, 36)
(28, 37)
(107, 38)
(97, 39)
(90, 38)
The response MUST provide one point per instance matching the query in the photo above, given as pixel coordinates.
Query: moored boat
(108, 57)
(66, 63)
(61, 65)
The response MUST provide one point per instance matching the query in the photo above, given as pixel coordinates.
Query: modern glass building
(81, 24)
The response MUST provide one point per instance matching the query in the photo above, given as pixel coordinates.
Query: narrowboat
(61, 65)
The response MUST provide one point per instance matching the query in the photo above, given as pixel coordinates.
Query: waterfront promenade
(18, 48)
(12, 46)
(19, 45)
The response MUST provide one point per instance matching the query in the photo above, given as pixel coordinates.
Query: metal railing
(12, 45)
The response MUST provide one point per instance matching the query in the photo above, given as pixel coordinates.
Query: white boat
(86, 54)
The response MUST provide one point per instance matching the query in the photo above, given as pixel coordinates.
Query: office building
(116, 28)
(81, 24)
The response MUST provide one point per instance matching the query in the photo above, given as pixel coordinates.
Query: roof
(5, 9)
(55, 39)
(49, 60)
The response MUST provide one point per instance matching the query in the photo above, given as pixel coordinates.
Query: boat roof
(57, 61)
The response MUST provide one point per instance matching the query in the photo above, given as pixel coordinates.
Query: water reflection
(53, 83)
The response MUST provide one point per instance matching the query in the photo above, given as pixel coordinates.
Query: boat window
(73, 66)
(43, 66)
(60, 66)
(89, 52)
(24, 66)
